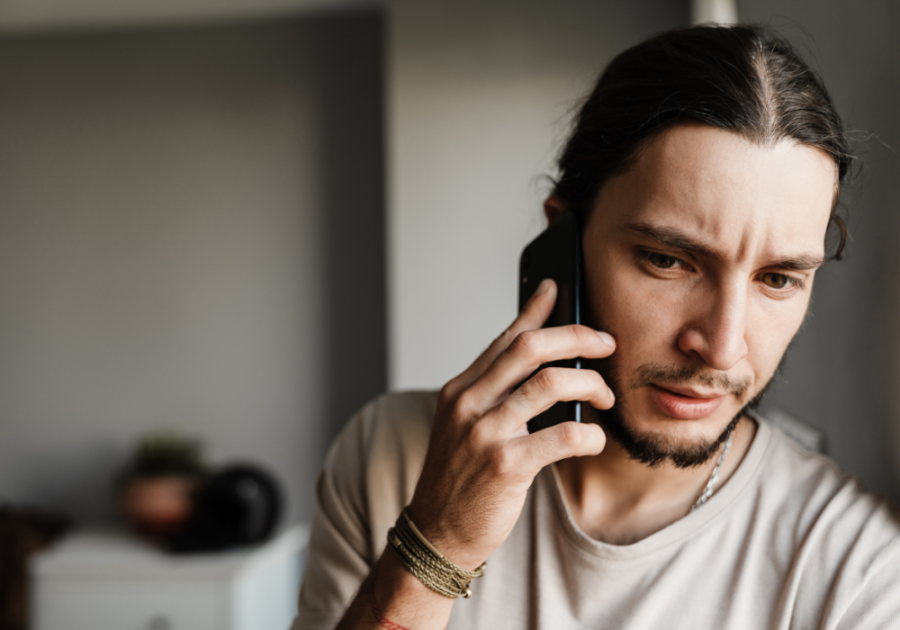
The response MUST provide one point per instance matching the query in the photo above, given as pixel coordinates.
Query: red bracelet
(383, 621)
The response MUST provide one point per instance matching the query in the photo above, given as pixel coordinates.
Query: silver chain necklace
(714, 477)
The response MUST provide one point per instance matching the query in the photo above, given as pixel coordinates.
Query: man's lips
(685, 403)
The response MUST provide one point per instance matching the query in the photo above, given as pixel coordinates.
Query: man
(705, 169)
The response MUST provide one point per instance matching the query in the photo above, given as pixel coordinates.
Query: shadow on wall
(353, 219)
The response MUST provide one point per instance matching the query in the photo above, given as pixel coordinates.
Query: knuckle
(502, 460)
(526, 344)
(512, 404)
(550, 378)
(594, 379)
(447, 393)
(583, 334)
(570, 435)
(463, 406)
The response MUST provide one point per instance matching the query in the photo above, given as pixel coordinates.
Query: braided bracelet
(427, 563)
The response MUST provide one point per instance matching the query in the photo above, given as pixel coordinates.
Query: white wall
(179, 247)
(478, 97)
(716, 11)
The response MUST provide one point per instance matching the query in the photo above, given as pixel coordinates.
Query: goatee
(657, 449)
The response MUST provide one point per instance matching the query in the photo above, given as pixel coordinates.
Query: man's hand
(481, 459)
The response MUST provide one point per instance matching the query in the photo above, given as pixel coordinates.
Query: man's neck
(618, 500)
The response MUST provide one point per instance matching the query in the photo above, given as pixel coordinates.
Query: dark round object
(239, 505)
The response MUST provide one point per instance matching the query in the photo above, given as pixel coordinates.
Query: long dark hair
(743, 79)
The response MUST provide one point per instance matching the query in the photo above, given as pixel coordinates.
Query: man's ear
(554, 206)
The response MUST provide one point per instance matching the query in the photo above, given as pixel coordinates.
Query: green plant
(164, 454)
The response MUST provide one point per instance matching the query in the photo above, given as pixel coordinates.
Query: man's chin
(655, 447)
(659, 447)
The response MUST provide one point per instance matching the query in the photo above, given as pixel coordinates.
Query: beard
(656, 449)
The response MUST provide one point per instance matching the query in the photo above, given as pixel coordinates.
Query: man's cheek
(770, 341)
(636, 306)
(649, 330)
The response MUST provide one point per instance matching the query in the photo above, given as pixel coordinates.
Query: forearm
(393, 598)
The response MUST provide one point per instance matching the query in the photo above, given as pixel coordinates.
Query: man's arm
(393, 598)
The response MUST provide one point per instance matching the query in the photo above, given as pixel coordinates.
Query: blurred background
(243, 219)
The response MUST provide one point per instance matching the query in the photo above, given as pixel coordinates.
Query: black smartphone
(556, 254)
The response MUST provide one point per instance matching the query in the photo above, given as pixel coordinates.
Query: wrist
(399, 601)
(451, 546)
(421, 558)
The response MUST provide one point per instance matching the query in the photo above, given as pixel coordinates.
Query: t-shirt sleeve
(368, 477)
(338, 557)
(876, 605)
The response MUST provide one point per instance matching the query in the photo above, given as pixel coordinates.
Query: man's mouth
(685, 403)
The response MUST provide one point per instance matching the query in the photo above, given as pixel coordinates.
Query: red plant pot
(158, 507)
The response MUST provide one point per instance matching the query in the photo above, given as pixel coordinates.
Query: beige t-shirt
(788, 542)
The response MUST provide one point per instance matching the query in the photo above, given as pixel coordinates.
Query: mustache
(689, 374)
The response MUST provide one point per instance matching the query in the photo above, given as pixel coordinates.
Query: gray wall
(191, 237)
(842, 375)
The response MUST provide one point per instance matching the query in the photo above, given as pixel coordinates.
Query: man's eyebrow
(675, 239)
(804, 262)
(671, 237)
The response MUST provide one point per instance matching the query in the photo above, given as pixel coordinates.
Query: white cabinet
(110, 581)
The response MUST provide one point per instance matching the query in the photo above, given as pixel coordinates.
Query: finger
(561, 441)
(543, 390)
(532, 317)
(533, 348)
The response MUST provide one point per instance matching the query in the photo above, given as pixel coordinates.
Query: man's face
(700, 262)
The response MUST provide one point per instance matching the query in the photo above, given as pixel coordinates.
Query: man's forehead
(727, 193)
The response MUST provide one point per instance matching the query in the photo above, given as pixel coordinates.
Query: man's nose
(716, 333)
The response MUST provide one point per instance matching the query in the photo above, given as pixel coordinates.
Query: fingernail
(607, 338)
(543, 286)
(612, 395)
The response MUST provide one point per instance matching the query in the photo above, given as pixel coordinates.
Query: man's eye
(778, 280)
(663, 261)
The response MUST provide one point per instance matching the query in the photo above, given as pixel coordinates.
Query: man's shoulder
(408, 408)
(384, 443)
(829, 509)
(799, 476)
(373, 465)
(796, 469)
(368, 477)
(396, 422)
